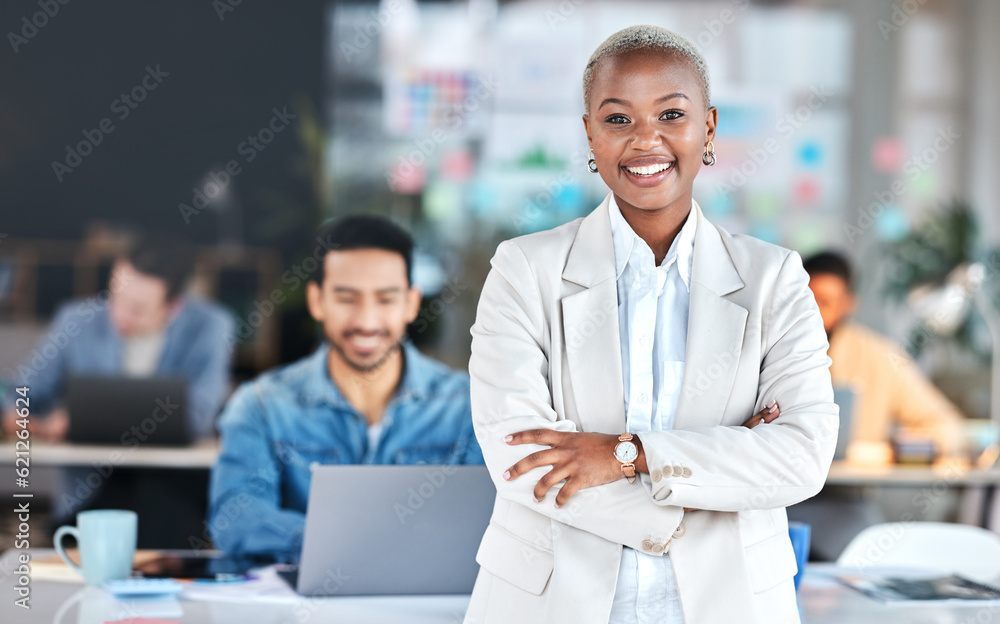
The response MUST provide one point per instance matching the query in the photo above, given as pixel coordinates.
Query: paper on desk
(266, 587)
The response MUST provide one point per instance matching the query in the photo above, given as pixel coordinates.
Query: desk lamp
(943, 307)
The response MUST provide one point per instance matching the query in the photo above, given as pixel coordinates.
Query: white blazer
(546, 354)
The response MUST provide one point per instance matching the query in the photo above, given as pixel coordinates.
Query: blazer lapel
(590, 327)
(715, 331)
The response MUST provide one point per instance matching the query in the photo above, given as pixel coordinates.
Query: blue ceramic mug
(106, 539)
(800, 534)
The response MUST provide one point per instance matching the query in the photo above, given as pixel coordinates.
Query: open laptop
(374, 530)
(843, 397)
(148, 411)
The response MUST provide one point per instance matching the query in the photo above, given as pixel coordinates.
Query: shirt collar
(630, 248)
(320, 388)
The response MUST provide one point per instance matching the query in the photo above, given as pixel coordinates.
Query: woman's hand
(582, 460)
(766, 415)
(586, 460)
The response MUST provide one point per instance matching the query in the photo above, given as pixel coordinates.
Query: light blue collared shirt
(653, 303)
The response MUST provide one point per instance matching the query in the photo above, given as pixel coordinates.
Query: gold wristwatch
(626, 452)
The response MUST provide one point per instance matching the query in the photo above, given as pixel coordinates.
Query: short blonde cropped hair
(645, 37)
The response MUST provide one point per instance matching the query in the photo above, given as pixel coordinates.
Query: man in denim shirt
(143, 325)
(364, 397)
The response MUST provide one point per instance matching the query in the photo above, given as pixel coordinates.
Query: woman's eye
(617, 119)
(671, 114)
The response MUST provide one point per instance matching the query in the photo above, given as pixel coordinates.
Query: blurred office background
(864, 125)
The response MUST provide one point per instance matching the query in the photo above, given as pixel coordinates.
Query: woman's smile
(648, 171)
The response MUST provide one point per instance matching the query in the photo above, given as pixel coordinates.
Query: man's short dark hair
(830, 263)
(166, 257)
(365, 232)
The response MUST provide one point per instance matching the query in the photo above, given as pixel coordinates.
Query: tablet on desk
(128, 411)
(212, 567)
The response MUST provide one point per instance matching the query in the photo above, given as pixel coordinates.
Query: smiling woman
(641, 465)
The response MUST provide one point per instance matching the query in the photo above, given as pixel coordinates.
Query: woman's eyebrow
(677, 94)
(614, 101)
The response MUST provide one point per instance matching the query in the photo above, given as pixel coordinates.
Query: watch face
(626, 451)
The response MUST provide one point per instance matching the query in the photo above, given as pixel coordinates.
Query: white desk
(825, 601)
(842, 473)
(202, 455)
(822, 601)
(49, 597)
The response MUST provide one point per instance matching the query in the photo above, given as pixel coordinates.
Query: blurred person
(615, 361)
(366, 396)
(144, 325)
(890, 389)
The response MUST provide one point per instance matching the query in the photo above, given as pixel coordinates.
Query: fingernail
(535, 499)
(772, 410)
(506, 475)
(558, 505)
(508, 438)
(771, 404)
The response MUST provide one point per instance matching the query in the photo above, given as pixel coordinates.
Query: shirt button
(644, 341)
(643, 398)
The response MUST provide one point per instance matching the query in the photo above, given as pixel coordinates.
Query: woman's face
(648, 125)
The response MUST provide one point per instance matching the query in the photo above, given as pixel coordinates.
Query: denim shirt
(276, 427)
(82, 340)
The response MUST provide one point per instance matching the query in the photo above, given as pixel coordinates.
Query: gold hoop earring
(591, 163)
(709, 156)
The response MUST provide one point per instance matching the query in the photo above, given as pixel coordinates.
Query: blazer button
(678, 471)
(668, 472)
(656, 476)
(647, 545)
(657, 548)
(686, 473)
(680, 530)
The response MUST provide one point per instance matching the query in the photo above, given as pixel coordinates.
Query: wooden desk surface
(201, 455)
